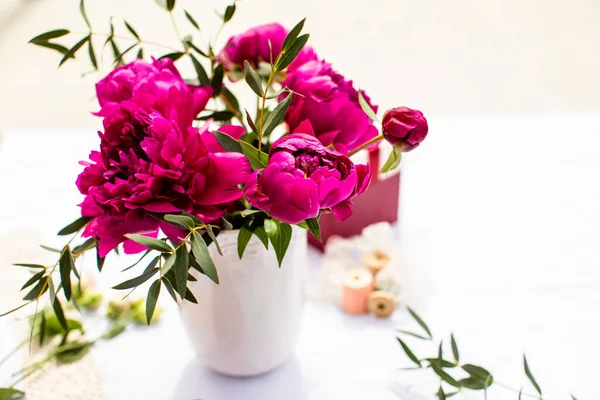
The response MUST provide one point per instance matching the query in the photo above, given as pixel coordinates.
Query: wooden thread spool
(356, 287)
(382, 304)
(375, 261)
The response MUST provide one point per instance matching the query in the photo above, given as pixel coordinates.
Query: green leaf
(189, 43)
(260, 232)
(37, 290)
(151, 300)
(291, 37)
(90, 243)
(73, 351)
(211, 233)
(131, 30)
(366, 107)
(251, 123)
(444, 375)
(66, 264)
(416, 335)
(454, 348)
(217, 80)
(84, 15)
(73, 50)
(233, 101)
(46, 36)
(42, 329)
(170, 289)
(479, 378)
(224, 115)
(253, 79)
(573, 397)
(257, 158)
(36, 277)
(530, 375)
(138, 280)
(276, 117)
(54, 46)
(149, 242)
(313, 226)
(74, 226)
(419, 321)
(442, 364)
(226, 224)
(52, 249)
(244, 236)
(229, 11)
(409, 352)
(172, 56)
(167, 265)
(31, 265)
(280, 235)
(182, 221)
(288, 56)
(227, 142)
(11, 394)
(192, 20)
(182, 264)
(16, 309)
(393, 161)
(60, 315)
(99, 260)
(190, 297)
(170, 5)
(140, 54)
(202, 255)
(138, 261)
(440, 394)
(119, 57)
(51, 290)
(92, 54)
(203, 79)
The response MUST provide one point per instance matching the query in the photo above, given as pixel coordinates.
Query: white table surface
(501, 212)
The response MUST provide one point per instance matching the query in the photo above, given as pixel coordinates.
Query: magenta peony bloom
(150, 162)
(331, 105)
(253, 46)
(157, 86)
(303, 177)
(404, 128)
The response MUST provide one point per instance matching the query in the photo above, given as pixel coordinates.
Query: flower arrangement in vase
(181, 165)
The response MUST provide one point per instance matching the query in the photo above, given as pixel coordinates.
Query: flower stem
(365, 145)
(262, 108)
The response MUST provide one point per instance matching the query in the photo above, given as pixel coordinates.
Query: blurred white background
(458, 57)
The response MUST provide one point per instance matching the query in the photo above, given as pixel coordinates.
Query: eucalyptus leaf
(92, 54)
(211, 233)
(99, 260)
(409, 352)
(71, 53)
(119, 57)
(190, 297)
(440, 394)
(479, 378)
(253, 79)
(170, 5)
(441, 363)
(227, 142)
(530, 375)
(151, 299)
(52, 249)
(419, 321)
(203, 79)
(32, 265)
(51, 290)
(11, 394)
(291, 37)
(251, 123)
(66, 265)
(138, 261)
(289, 55)
(170, 289)
(445, 376)
(416, 335)
(189, 43)
(182, 221)
(138, 280)
(72, 352)
(454, 348)
(140, 54)
(192, 20)
(149, 242)
(169, 263)
(393, 161)
(217, 80)
(74, 226)
(202, 255)
(131, 30)
(182, 264)
(276, 117)
(60, 315)
(224, 115)
(37, 290)
(90, 243)
(84, 14)
(46, 36)
(54, 46)
(176, 55)
(229, 11)
(257, 158)
(36, 277)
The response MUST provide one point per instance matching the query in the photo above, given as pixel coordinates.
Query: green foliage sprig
(456, 376)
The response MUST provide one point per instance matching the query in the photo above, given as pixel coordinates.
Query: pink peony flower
(150, 162)
(253, 46)
(331, 105)
(303, 178)
(157, 86)
(404, 128)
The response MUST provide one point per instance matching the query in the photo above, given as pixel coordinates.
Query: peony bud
(404, 128)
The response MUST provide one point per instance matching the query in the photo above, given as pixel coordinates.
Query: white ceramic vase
(247, 325)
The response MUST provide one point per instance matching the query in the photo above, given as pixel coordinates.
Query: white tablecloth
(502, 212)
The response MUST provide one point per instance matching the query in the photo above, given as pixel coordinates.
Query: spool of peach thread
(356, 287)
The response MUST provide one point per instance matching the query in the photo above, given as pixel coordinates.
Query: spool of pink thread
(356, 287)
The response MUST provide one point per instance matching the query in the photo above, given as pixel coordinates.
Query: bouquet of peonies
(182, 157)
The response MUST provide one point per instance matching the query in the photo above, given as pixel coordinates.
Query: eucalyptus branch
(134, 39)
